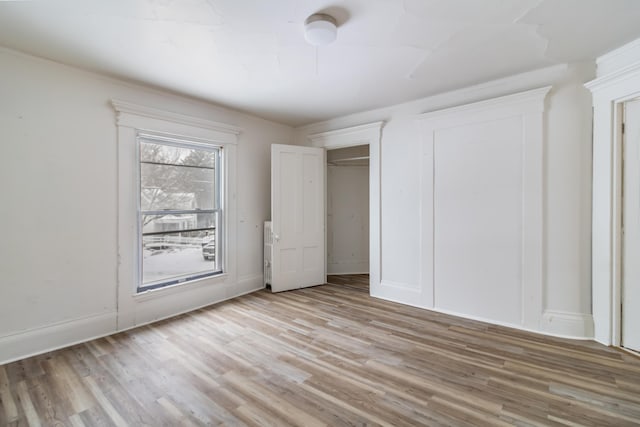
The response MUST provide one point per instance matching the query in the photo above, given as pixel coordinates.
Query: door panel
(631, 227)
(297, 215)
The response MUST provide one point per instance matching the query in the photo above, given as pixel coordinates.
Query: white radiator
(268, 252)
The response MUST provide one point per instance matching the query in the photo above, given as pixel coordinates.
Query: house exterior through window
(180, 211)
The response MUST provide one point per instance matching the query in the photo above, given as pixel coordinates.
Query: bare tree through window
(180, 211)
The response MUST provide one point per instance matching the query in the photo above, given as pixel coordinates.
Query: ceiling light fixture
(320, 29)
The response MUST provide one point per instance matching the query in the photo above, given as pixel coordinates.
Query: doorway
(348, 239)
(630, 292)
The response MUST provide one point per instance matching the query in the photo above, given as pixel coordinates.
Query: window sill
(179, 287)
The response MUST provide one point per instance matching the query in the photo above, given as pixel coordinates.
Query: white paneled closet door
(297, 215)
(631, 228)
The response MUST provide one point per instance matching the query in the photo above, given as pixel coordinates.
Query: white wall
(481, 202)
(566, 303)
(347, 219)
(58, 206)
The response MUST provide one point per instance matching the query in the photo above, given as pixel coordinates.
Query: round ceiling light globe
(320, 29)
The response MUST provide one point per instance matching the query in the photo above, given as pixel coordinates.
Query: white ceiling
(251, 54)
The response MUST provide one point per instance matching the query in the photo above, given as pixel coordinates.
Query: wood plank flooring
(324, 356)
(356, 281)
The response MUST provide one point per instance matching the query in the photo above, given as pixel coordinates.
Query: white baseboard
(250, 283)
(481, 319)
(568, 325)
(402, 293)
(192, 308)
(553, 323)
(63, 334)
(36, 341)
(348, 267)
(346, 272)
(399, 286)
(565, 327)
(58, 335)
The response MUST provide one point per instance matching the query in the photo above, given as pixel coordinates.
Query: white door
(297, 215)
(631, 227)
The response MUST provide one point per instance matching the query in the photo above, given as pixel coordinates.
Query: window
(180, 211)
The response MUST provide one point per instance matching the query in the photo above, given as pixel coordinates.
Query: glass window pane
(178, 256)
(178, 247)
(161, 153)
(177, 222)
(176, 187)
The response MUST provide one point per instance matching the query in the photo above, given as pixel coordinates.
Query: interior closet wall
(347, 219)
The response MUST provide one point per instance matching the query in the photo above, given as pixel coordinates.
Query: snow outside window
(180, 211)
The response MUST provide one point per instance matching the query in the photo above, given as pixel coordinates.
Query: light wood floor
(328, 355)
(355, 281)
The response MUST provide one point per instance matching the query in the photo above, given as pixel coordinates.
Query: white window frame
(137, 308)
(219, 189)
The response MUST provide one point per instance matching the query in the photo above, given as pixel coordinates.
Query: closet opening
(348, 217)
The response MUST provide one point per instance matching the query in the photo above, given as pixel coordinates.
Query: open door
(631, 228)
(297, 216)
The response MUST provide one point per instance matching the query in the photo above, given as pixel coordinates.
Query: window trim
(138, 308)
(219, 209)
